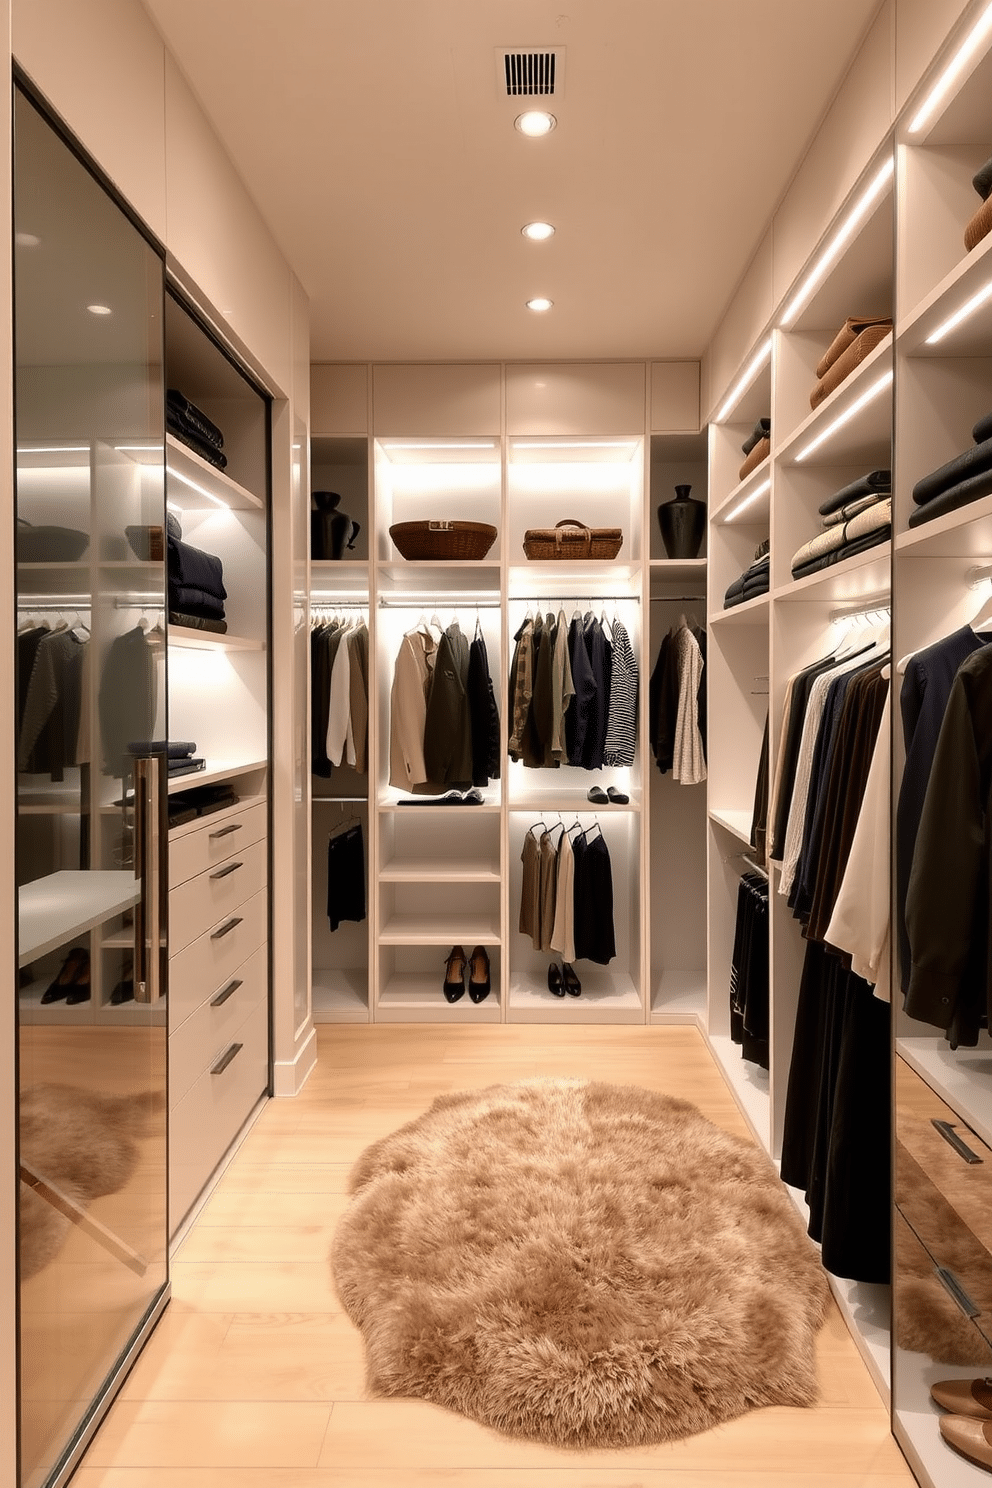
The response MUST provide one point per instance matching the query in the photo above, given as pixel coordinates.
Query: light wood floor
(254, 1378)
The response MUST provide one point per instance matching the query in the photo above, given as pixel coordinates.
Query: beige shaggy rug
(578, 1263)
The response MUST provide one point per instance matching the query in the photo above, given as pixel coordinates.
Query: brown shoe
(964, 1397)
(973, 1439)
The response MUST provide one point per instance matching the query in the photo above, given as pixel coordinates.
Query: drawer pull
(223, 872)
(225, 993)
(226, 831)
(951, 1285)
(225, 1059)
(226, 928)
(960, 1146)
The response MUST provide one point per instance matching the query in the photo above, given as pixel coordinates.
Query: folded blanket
(198, 622)
(193, 418)
(172, 749)
(960, 495)
(742, 595)
(971, 462)
(983, 429)
(188, 566)
(982, 181)
(185, 767)
(759, 452)
(761, 430)
(850, 358)
(876, 516)
(979, 226)
(845, 337)
(847, 512)
(839, 555)
(875, 483)
(197, 444)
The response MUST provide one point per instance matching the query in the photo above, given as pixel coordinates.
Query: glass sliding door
(90, 705)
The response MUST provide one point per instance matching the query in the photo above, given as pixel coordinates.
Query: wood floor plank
(255, 1377)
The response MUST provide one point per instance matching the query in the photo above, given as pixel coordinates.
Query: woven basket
(570, 539)
(419, 540)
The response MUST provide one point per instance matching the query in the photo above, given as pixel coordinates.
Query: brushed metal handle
(226, 831)
(223, 872)
(148, 924)
(950, 1136)
(225, 1059)
(225, 993)
(953, 1287)
(226, 928)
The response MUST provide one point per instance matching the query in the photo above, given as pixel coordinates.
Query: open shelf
(215, 770)
(441, 930)
(339, 995)
(419, 999)
(607, 997)
(679, 997)
(55, 909)
(191, 481)
(207, 640)
(440, 870)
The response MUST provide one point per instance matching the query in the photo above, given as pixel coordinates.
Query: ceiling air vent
(535, 74)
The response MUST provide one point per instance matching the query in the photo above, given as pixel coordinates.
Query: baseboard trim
(290, 1075)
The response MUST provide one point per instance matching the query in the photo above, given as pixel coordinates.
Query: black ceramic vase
(331, 531)
(682, 521)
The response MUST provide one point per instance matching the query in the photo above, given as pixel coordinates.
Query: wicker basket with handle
(440, 539)
(569, 539)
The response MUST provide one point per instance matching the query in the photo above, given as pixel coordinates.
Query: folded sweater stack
(756, 447)
(191, 425)
(981, 224)
(753, 581)
(196, 584)
(858, 336)
(856, 517)
(962, 480)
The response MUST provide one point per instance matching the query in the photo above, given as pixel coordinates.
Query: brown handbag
(852, 357)
(569, 540)
(979, 226)
(845, 337)
(760, 452)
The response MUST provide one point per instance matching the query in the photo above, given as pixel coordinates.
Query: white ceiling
(373, 137)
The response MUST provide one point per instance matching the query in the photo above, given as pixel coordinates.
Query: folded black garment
(875, 483)
(762, 549)
(948, 501)
(179, 815)
(198, 622)
(186, 601)
(982, 181)
(735, 593)
(185, 767)
(190, 567)
(202, 800)
(194, 418)
(450, 798)
(745, 595)
(761, 430)
(171, 748)
(837, 555)
(983, 429)
(199, 445)
(970, 462)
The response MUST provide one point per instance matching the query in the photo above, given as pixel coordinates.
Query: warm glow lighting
(540, 304)
(99, 309)
(968, 308)
(749, 500)
(855, 217)
(200, 490)
(535, 123)
(745, 380)
(53, 449)
(978, 33)
(842, 418)
(538, 232)
(579, 444)
(446, 444)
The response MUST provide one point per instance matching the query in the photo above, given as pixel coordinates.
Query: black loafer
(555, 985)
(597, 795)
(616, 796)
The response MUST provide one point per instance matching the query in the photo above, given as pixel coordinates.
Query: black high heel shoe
(69, 973)
(479, 979)
(572, 984)
(554, 980)
(454, 975)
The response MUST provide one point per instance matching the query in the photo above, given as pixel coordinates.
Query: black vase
(331, 531)
(682, 521)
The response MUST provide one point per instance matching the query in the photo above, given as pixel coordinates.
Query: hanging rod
(862, 607)
(677, 598)
(439, 602)
(743, 856)
(978, 574)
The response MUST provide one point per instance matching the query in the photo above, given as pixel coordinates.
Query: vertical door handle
(148, 797)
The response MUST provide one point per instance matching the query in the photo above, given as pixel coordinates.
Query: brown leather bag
(979, 226)
(850, 358)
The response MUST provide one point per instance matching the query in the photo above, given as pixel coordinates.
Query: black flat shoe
(616, 796)
(454, 975)
(597, 795)
(572, 984)
(479, 979)
(554, 980)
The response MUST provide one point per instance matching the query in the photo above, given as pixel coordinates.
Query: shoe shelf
(61, 906)
(453, 928)
(607, 996)
(412, 998)
(340, 994)
(566, 800)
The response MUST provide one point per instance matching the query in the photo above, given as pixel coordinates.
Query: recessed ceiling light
(538, 231)
(540, 303)
(535, 123)
(26, 240)
(99, 309)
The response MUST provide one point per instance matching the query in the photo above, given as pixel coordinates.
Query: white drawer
(208, 900)
(204, 1036)
(212, 959)
(208, 1118)
(195, 851)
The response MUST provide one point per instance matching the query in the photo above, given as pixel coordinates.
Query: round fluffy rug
(579, 1263)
